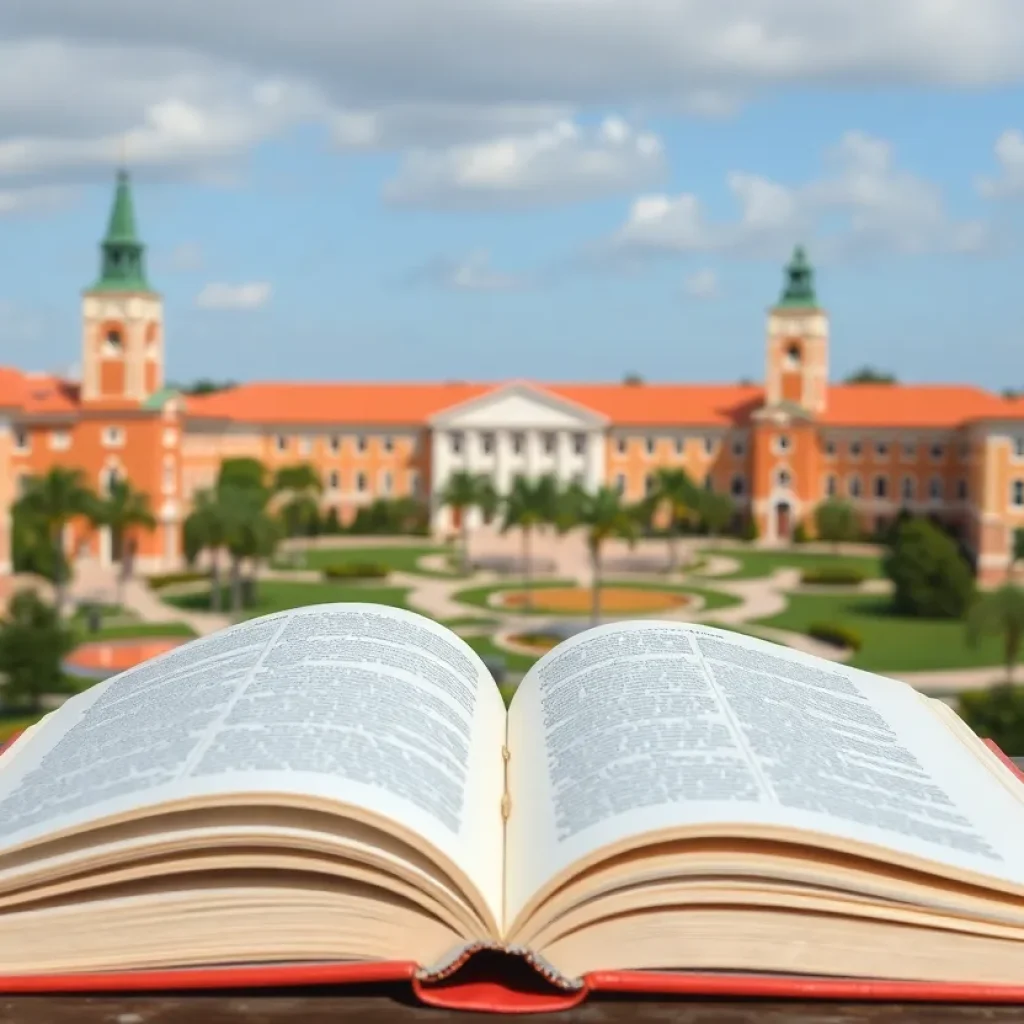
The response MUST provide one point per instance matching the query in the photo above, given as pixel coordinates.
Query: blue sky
(576, 197)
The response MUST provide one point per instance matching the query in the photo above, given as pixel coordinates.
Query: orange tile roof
(37, 393)
(938, 406)
(664, 405)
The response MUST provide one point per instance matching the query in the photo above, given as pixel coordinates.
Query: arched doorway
(783, 520)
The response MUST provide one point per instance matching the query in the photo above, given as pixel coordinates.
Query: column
(502, 461)
(534, 445)
(595, 460)
(563, 455)
(440, 468)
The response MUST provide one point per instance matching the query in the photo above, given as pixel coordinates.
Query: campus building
(955, 452)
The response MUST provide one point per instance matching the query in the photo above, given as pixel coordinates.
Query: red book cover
(487, 978)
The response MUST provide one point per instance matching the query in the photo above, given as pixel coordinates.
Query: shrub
(930, 578)
(171, 579)
(996, 714)
(355, 571)
(837, 634)
(833, 576)
(748, 531)
(800, 534)
(836, 521)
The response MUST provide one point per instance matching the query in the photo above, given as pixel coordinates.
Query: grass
(134, 630)
(479, 596)
(280, 595)
(396, 559)
(470, 621)
(890, 643)
(487, 648)
(754, 563)
(13, 724)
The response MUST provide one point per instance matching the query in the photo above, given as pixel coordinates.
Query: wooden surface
(377, 1008)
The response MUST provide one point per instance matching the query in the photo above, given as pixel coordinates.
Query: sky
(542, 189)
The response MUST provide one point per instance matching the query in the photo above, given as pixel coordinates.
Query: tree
(930, 577)
(33, 644)
(124, 511)
(996, 714)
(250, 533)
(206, 529)
(632, 380)
(54, 500)
(243, 472)
(835, 521)
(715, 511)
(464, 492)
(999, 613)
(1017, 551)
(604, 516)
(675, 493)
(296, 496)
(530, 503)
(869, 375)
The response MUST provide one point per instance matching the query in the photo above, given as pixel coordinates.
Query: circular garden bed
(578, 600)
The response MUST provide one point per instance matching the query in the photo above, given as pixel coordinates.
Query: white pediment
(518, 407)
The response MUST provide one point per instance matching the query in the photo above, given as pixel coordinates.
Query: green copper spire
(798, 292)
(122, 263)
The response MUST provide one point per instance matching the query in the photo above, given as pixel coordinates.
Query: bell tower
(122, 316)
(796, 372)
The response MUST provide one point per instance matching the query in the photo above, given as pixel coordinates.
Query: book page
(639, 726)
(361, 703)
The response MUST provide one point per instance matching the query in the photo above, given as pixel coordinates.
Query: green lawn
(487, 648)
(479, 621)
(396, 559)
(14, 724)
(132, 630)
(890, 643)
(754, 563)
(478, 596)
(279, 595)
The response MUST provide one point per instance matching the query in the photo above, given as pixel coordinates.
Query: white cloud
(1009, 153)
(252, 295)
(185, 258)
(472, 273)
(702, 284)
(32, 199)
(557, 164)
(863, 203)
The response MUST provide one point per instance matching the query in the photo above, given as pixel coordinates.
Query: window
(830, 449)
(853, 486)
(739, 447)
(21, 440)
(783, 443)
(1017, 493)
(737, 487)
(649, 484)
(791, 359)
(60, 440)
(487, 443)
(709, 446)
(333, 480)
(281, 443)
(935, 488)
(518, 443)
(621, 445)
(908, 488)
(361, 482)
(579, 444)
(385, 482)
(620, 483)
(783, 478)
(414, 481)
(855, 449)
(113, 344)
(455, 440)
(361, 443)
(387, 443)
(305, 445)
(1018, 446)
(549, 443)
(881, 486)
(113, 437)
(961, 490)
(881, 449)
(937, 451)
(108, 479)
(909, 451)
(680, 445)
(651, 445)
(335, 444)
(831, 487)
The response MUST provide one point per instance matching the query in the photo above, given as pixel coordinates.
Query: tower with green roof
(796, 373)
(122, 337)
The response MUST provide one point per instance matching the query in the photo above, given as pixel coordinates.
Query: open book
(343, 783)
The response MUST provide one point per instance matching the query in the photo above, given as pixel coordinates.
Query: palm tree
(249, 533)
(715, 511)
(463, 492)
(206, 529)
(604, 516)
(54, 500)
(296, 494)
(530, 503)
(674, 491)
(999, 613)
(123, 511)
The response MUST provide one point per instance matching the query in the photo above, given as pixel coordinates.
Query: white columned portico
(595, 460)
(534, 448)
(502, 461)
(563, 458)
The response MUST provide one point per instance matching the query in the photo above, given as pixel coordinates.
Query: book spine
(461, 955)
(506, 799)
